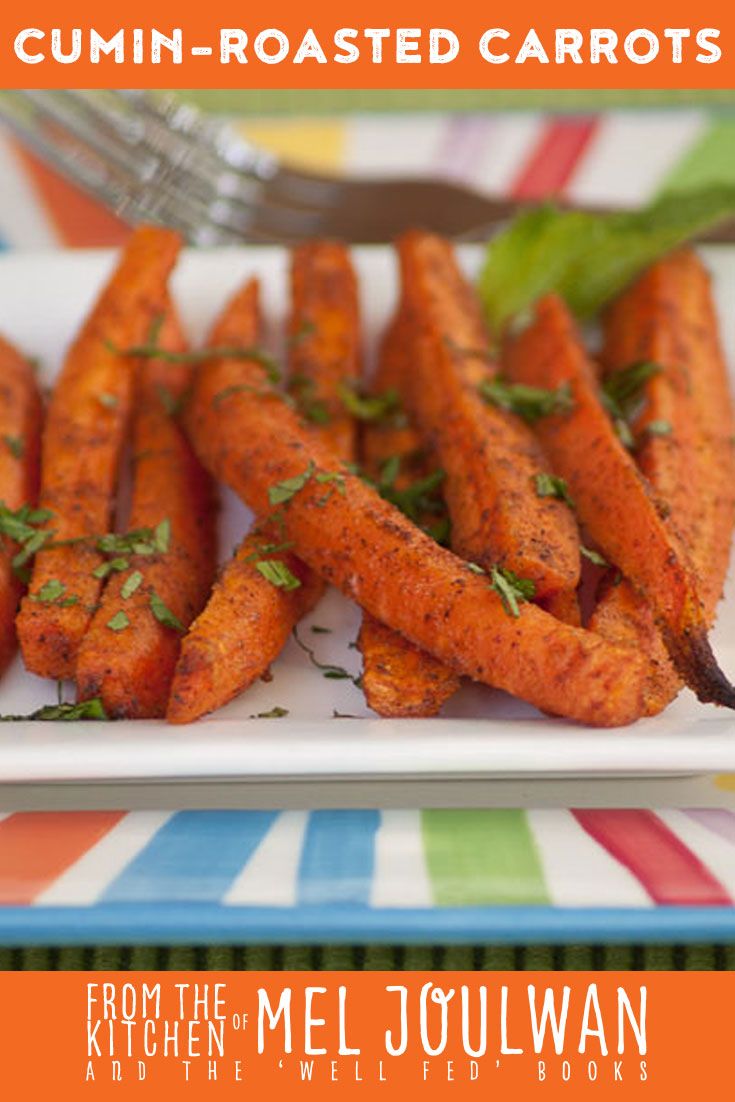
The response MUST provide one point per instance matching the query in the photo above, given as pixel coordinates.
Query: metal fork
(152, 158)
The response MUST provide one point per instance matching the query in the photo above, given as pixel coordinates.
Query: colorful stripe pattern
(616, 157)
(369, 859)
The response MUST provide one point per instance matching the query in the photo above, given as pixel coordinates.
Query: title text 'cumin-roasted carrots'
(85, 431)
(265, 589)
(490, 457)
(613, 500)
(683, 431)
(398, 679)
(21, 418)
(128, 655)
(361, 543)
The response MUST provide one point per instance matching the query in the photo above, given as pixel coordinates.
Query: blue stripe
(207, 923)
(195, 857)
(338, 857)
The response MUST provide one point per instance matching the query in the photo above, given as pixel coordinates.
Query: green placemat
(370, 957)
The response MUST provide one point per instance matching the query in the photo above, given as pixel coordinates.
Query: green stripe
(316, 101)
(482, 857)
(711, 160)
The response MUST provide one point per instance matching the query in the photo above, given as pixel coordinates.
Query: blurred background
(598, 148)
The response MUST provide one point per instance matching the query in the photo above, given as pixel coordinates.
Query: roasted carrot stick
(251, 614)
(398, 679)
(490, 458)
(85, 431)
(341, 527)
(20, 440)
(684, 437)
(324, 340)
(614, 502)
(128, 655)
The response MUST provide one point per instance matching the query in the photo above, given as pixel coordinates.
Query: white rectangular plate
(43, 298)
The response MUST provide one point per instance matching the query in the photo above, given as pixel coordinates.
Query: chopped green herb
(163, 613)
(65, 713)
(333, 673)
(53, 592)
(622, 390)
(475, 568)
(511, 589)
(152, 351)
(370, 407)
(658, 428)
(593, 556)
(172, 403)
(111, 566)
(343, 715)
(109, 401)
(139, 541)
(332, 477)
(274, 713)
(237, 388)
(319, 630)
(278, 574)
(550, 485)
(16, 446)
(418, 498)
(21, 526)
(268, 549)
(118, 622)
(131, 584)
(285, 490)
(530, 403)
(389, 471)
(304, 329)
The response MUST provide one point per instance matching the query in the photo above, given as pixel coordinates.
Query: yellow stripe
(726, 781)
(313, 143)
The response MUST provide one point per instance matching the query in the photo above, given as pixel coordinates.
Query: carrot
(490, 457)
(398, 679)
(128, 655)
(250, 615)
(684, 435)
(341, 527)
(324, 339)
(614, 502)
(21, 417)
(85, 431)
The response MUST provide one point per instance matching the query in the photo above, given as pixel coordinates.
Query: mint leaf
(163, 613)
(589, 258)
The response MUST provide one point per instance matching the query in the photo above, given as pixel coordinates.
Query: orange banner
(380, 45)
(391, 1035)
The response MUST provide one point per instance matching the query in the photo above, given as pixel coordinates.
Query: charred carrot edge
(21, 418)
(324, 340)
(398, 679)
(85, 430)
(613, 500)
(489, 456)
(248, 620)
(128, 655)
(668, 318)
(252, 441)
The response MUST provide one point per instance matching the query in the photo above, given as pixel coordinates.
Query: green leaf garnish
(278, 574)
(285, 490)
(511, 589)
(111, 566)
(319, 630)
(118, 622)
(163, 613)
(16, 446)
(53, 592)
(658, 428)
(550, 485)
(328, 670)
(593, 556)
(589, 258)
(131, 584)
(530, 403)
(370, 407)
(109, 401)
(65, 713)
(274, 713)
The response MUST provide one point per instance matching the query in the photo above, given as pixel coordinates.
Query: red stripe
(550, 166)
(37, 846)
(668, 871)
